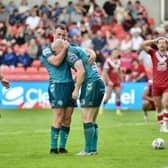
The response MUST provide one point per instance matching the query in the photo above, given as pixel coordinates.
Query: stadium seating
(36, 63)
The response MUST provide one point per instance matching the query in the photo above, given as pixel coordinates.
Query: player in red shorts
(148, 101)
(112, 74)
(160, 78)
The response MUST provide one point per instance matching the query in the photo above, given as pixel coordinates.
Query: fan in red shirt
(160, 78)
(138, 71)
(112, 74)
(148, 101)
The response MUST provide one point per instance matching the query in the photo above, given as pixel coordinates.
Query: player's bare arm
(57, 59)
(146, 45)
(80, 76)
(105, 74)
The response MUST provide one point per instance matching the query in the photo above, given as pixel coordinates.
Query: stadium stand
(24, 31)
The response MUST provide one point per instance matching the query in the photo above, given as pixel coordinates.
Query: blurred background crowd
(25, 30)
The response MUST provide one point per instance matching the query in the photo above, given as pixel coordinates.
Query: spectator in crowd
(99, 41)
(11, 7)
(44, 22)
(129, 22)
(86, 41)
(33, 21)
(64, 17)
(146, 30)
(128, 77)
(109, 9)
(83, 7)
(139, 73)
(120, 12)
(2, 30)
(112, 40)
(9, 58)
(24, 6)
(129, 7)
(33, 49)
(4, 16)
(126, 44)
(23, 59)
(136, 39)
(15, 17)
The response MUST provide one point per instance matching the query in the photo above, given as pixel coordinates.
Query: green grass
(124, 142)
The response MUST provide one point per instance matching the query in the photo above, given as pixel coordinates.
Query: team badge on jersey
(162, 62)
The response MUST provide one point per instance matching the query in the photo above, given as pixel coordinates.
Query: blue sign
(29, 94)
(131, 96)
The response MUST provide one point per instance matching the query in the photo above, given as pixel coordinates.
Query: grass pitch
(124, 142)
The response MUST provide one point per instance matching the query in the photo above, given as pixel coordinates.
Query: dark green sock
(95, 138)
(64, 132)
(88, 133)
(54, 137)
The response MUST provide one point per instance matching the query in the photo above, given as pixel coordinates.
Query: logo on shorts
(60, 102)
(89, 87)
(82, 101)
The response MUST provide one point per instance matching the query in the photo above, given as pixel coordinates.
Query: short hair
(61, 26)
(57, 43)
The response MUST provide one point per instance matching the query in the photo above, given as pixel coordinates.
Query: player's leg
(165, 107)
(118, 92)
(91, 100)
(146, 107)
(160, 113)
(65, 129)
(58, 117)
(69, 104)
(89, 128)
(95, 137)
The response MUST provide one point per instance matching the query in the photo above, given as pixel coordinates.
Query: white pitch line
(38, 131)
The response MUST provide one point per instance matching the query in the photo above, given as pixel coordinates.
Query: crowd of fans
(25, 30)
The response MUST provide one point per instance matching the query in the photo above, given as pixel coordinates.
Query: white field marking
(38, 131)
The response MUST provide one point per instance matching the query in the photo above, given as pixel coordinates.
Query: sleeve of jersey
(47, 52)
(151, 52)
(72, 59)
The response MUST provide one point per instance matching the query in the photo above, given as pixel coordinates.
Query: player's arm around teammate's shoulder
(57, 59)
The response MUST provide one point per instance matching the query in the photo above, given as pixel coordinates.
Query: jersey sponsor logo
(12, 96)
(46, 51)
(72, 57)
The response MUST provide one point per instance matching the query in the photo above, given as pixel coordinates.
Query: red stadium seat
(6, 70)
(43, 70)
(105, 28)
(31, 70)
(18, 70)
(117, 28)
(38, 77)
(36, 63)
